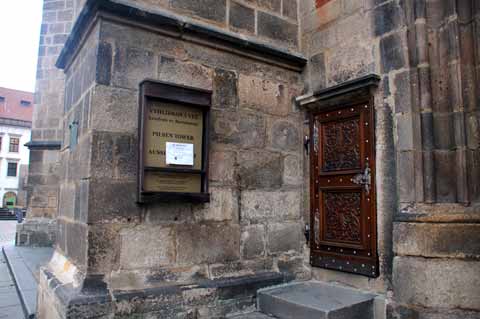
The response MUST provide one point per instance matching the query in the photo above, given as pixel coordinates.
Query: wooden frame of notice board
(175, 115)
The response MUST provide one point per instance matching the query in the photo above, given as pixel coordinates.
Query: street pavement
(7, 232)
(10, 306)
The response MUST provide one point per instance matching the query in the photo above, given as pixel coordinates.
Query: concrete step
(317, 300)
(252, 315)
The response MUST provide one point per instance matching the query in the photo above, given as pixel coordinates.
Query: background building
(16, 109)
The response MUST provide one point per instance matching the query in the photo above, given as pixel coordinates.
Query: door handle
(363, 179)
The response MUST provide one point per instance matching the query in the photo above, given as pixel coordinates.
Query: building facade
(355, 120)
(16, 110)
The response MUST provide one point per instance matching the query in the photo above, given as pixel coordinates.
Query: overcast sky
(19, 34)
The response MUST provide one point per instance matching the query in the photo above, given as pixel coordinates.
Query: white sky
(20, 22)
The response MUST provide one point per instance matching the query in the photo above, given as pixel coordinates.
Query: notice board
(173, 148)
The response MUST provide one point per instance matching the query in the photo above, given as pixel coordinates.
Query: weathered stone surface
(290, 9)
(387, 17)
(223, 206)
(242, 129)
(225, 90)
(207, 243)
(392, 54)
(292, 170)
(284, 237)
(223, 167)
(185, 73)
(114, 109)
(318, 75)
(446, 283)
(214, 10)
(259, 169)
(285, 136)
(131, 66)
(146, 247)
(267, 206)
(253, 241)
(242, 17)
(275, 28)
(437, 240)
(263, 95)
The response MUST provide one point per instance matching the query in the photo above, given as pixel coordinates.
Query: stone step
(317, 300)
(252, 315)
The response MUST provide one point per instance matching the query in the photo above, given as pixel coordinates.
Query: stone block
(242, 129)
(283, 237)
(285, 136)
(103, 247)
(223, 167)
(76, 242)
(185, 73)
(318, 76)
(114, 155)
(405, 176)
(104, 63)
(223, 206)
(403, 94)
(253, 241)
(292, 170)
(259, 169)
(114, 109)
(262, 206)
(131, 66)
(225, 89)
(445, 283)
(112, 201)
(437, 240)
(404, 128)
(392, 53)
(208, 243)
(242, 17)
(445, 176)
(271, 5)
(277, 29)
(146, 247)
(290, 9)
(263, 95)
(328, 11)
(214, 10)
(387, 18)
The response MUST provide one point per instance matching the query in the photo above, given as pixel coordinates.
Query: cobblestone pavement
(10, 307)
(7, 232)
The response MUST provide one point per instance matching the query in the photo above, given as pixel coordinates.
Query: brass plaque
(167, 122)
(172, 123)
(172, 182)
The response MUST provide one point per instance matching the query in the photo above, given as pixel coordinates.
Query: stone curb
(25, 283)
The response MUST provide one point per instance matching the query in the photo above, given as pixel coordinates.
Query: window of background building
(25, 103)
(1, 143)
(14, 142)
(12, 170)
(2, 99)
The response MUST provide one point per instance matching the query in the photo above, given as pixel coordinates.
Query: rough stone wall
(253, 223)
(433, 240)
(427, 53)
(273, 21)
(47, 125)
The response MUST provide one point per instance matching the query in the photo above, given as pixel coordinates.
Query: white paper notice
(179, 154)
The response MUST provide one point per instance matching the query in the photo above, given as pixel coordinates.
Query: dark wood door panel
(343, 217)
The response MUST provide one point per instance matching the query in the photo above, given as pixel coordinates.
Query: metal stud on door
(343, 217)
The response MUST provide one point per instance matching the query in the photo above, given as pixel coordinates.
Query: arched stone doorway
(9, 200)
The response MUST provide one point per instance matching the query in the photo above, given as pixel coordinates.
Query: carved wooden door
(343, 216)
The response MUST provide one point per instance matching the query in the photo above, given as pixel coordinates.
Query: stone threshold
(24, 264)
